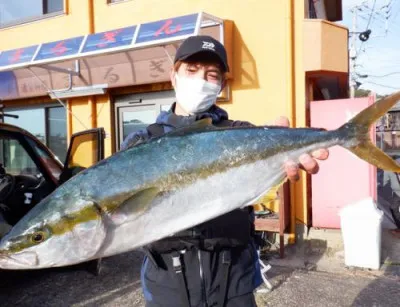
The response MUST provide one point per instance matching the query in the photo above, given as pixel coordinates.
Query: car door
(28, 172)
(86, 148)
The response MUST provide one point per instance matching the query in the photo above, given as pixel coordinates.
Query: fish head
(24, 250)
(60, 239)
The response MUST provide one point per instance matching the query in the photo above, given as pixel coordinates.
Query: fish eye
(38, 237)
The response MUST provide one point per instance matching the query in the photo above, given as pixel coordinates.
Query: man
(215, 263)
(390, 191)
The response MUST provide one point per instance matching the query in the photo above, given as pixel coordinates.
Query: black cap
(202, 43)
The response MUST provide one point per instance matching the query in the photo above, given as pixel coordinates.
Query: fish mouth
(18, 261)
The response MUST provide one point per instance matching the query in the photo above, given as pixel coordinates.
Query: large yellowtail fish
(171, 183)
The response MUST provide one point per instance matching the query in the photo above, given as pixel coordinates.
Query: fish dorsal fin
(199, 125)
(134, 206)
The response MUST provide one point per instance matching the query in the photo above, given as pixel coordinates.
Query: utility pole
(353, 54)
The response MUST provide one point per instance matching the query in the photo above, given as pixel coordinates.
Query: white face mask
(195, 95)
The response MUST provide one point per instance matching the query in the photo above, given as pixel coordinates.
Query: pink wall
(343, 178)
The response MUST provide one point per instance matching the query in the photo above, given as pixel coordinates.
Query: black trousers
(247, 300)
(204, 277)
(395, 209)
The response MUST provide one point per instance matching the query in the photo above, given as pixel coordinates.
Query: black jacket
(208, 278)
(232, 229)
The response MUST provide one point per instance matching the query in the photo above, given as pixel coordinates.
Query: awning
(88, 65)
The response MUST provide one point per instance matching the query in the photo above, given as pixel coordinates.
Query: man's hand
(307, 162)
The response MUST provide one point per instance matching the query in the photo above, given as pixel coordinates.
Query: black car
(29, 171)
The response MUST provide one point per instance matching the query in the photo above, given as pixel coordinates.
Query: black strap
(155, 130)
(177, 265)
(226, 264)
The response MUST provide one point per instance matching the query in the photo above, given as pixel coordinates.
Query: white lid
(365, 208)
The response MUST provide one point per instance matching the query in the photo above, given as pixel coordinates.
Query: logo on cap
(208, 45)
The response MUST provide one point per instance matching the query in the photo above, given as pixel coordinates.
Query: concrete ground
(119, 285)
(323, 250)
(295, 287)
(312, 274)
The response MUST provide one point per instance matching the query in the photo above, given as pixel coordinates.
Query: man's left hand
(307, 162)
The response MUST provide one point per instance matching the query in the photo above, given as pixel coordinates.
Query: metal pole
(353, 55)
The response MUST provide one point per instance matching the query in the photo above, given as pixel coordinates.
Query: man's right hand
(307, 162)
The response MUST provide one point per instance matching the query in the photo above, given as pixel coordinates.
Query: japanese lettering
(17, 55)
(111, 77)
(156, 68)
(166, 28)
(108, 37)
(59, 49)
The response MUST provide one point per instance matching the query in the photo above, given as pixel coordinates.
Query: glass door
(133, 119)
(137, 111)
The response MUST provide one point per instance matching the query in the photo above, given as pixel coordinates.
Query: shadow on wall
(244, 66)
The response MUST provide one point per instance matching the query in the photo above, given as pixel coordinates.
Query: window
(15, 158)
(312, 14)
(32, 120)
(20, 11)
(115, 1)
(136, 111)
(52, 166)
(136, 118)
(57, 131)
(324, 9)
(48, 124)
(84, 150)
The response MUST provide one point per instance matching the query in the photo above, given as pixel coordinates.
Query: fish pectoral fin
(135, 205)
(199, 125)
(140, 201)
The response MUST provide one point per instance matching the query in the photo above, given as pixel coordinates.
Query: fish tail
(358, 128)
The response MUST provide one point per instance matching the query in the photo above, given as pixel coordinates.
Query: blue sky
(379, 57)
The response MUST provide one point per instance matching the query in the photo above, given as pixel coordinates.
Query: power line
(384, 19)
(353, 55)
(387, 86)
(397, 13)
(392, 21)
(370, 16)
(385, 75)
(367, 27)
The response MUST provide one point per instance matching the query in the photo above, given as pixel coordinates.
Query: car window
(15, 158)
(49, 162)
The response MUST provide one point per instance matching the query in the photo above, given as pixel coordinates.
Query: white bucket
(361, 231)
